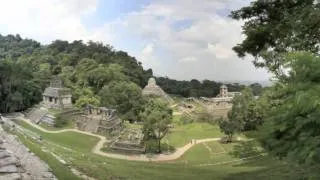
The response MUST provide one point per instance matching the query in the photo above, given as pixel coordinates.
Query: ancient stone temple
(152, 89)
(223, 91)
(100, 120)
(56, 96)
(225, 96)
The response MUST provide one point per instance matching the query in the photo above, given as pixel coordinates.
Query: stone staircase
(17, 163)
(36, 114)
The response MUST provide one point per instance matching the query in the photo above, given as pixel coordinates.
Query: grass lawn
(75, 149)
(54, 111)
(66, 139)
(69, 125)
(60, 170)
(183, 134)
(216, 152)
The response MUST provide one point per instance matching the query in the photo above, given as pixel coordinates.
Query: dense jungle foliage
(96, 74)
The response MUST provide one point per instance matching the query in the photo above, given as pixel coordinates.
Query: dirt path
(156, 158)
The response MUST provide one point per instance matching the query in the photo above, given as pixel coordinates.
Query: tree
(124, 96)
(247, 113)
(256, 89)
(229, 127)
(157, 117)
(86, 96)
(18, 91)
(194, 88)
(276, 27)
(27, 67)
(292, 124)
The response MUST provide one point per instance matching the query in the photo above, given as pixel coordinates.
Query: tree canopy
(194, 88)
(277, 26)
(293, 122)
(157, 117)
(27, 67)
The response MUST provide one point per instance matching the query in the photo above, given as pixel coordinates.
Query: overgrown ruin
(99, 120)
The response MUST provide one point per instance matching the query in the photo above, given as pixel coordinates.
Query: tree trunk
(159, 145)
(230, 138)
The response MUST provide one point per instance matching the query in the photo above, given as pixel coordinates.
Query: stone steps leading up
(17, 163)
(36, 114)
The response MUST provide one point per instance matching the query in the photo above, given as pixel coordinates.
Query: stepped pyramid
(152, 89)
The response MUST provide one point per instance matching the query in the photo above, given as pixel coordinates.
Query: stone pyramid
(152, 89)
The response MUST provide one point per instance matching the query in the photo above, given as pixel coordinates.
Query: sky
(181, 39)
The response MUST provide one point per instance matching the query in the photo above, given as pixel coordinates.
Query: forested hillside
(26, 68)
(96, 73)
(206, 88)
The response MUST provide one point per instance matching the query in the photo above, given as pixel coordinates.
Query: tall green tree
(276, 27)
(86, 96)
(124, 96)
(256, 89)
(293, 123)
(229, 127)
(18, 91)
(157, 117)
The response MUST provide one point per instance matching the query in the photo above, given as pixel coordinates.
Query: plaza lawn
(66, 139)
(59, 169)
(183, 134)
(215, 152)
(75, 149)
(69, 125)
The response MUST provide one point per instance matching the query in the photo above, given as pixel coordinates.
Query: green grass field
(69, 125)
(75, 149)
(183, 134)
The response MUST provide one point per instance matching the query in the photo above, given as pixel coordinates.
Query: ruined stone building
(110, 124)
(152, 89)
(225, 96)
(99, 120)
(56, 96)
(224, 93)
(104, 121)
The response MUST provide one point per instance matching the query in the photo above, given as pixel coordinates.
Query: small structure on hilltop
(56, 96)
(152, 89)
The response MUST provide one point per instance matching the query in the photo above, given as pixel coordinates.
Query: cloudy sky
(182, 39)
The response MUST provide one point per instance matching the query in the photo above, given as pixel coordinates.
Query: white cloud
(196, 49)
(220, 52)
(148, 49)
(50, 19)
(188, 59)
(147, 56)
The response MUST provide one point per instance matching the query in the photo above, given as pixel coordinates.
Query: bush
(206, 117)
(151, 146)
(186, 119)
(60, 121)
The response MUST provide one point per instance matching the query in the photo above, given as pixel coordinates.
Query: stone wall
(17, 162)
